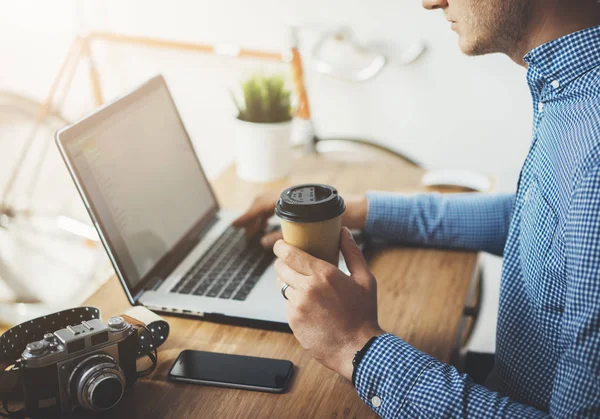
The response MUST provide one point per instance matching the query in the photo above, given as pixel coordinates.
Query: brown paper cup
(311, 219)
(321, 239)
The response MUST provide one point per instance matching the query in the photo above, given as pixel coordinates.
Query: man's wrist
(346, 367)
(355, 216)
(358, 356)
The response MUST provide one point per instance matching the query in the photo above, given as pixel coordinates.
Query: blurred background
(444, 110)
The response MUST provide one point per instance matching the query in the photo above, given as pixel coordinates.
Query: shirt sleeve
(477, 222)
(576, 390)
(396, 380)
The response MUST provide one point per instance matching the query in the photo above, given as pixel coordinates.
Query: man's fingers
(296, 259)
(262, 207)
(253, 228)
(291, 293)
(290, 276)
(352, 254)
(251, 216)
(269, 240)
(244, 219)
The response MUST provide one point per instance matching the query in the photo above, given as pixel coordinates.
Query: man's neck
(554, 20)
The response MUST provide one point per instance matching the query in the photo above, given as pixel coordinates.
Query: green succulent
(266, 100)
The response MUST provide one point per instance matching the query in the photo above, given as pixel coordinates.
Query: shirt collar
(562, 60)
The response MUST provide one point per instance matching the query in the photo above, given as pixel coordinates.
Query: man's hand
(254, 220)
(331, 314)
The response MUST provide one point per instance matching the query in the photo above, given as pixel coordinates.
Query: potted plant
(263, 129)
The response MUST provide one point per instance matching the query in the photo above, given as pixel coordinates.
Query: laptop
(172, 247)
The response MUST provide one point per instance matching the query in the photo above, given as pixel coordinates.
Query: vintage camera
(89, 365)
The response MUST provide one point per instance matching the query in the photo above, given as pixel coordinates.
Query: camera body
(88, 365)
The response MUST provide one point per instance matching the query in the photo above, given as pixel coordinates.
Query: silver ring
(285, 287)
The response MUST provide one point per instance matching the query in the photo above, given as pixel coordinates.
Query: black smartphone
(234, 371)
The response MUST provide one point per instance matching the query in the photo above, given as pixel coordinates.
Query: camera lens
(97, 383)
(106, 392)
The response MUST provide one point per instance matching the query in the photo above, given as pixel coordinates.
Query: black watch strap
(358, 356)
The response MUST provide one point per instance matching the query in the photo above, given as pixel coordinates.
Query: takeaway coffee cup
(311, 219)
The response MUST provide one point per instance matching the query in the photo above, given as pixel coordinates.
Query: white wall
(446, 111)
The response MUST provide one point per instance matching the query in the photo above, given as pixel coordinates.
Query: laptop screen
(140, 175)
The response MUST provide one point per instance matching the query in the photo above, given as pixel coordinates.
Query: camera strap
(153, 330)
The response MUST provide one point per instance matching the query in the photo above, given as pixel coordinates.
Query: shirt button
(555, 84)
(540, 106)
(376, 401)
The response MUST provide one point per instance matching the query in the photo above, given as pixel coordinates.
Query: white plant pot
(263, 152)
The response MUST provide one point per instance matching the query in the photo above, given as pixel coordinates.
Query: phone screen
(232, 370)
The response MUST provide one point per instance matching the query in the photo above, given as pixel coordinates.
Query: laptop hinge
(154, 283)
(138, 295)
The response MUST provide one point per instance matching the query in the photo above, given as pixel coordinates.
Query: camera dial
(37, 348)
(97, 383)
(52, 342)
(117, 323)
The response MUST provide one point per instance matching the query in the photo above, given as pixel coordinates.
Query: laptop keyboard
(229, 270)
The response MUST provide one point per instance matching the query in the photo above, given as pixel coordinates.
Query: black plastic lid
(309, 203)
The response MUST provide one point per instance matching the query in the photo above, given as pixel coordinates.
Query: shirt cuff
(388, 372)
(387, 214)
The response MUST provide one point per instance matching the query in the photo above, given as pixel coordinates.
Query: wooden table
(421, 298)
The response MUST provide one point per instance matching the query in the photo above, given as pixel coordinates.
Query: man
(548, 341)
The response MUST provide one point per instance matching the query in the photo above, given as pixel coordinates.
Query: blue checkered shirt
(548, 338)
